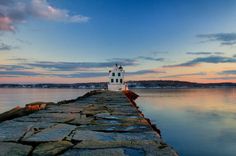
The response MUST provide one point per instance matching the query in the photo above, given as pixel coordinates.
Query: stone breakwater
(100, 123)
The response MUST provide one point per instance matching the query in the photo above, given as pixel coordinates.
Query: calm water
(194, 121)
(10, 98)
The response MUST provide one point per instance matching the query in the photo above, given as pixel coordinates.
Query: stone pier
(100, 123)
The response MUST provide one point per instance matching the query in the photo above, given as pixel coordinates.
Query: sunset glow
(49, 41)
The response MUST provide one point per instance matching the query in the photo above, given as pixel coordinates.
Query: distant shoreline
(152, 84)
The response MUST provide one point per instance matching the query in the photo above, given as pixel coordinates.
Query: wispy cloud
(13, 12)
(13, 67)
(218, 53)
(183, 75)
(204, 53)
(76, 69)
(209, 59)
(18, 59)
(142, 72)
(228, 72)
(136, 59)
(150, 58)
(6, 47)
(122, 61)
(159, 52)
(223, 38)
(18, 73)
(71, 66)
(81, 75)
(102, 74)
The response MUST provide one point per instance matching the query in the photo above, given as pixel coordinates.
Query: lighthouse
(116, 79)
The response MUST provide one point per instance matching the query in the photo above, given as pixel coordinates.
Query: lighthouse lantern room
(116, 79)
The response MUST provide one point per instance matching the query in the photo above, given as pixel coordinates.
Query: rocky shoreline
(100, 123)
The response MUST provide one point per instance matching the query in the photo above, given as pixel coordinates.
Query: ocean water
(12, 97)
(196, 122)
(193, 121)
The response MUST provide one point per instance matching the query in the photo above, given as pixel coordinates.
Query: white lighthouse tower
(116, 79)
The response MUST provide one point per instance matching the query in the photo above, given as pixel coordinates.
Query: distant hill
(131, 84)
(176, 84)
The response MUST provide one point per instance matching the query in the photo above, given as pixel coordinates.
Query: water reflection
(194, 121)
(10, 97)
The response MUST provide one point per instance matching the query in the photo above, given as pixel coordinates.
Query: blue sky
(66, 40)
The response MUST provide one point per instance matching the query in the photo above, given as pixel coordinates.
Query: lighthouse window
(113, 74)
(112, 80)
(118, 74)
(121, 80)
(117, 80)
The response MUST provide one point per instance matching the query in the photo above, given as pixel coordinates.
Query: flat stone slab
(49, 117)
(82, 135)
(65, 108)
(81, 120)
(116, 128)
(55, 133)
(14, 149)
(51, 148)
(13, 131)
(109, 116)
(105, 152)
(151, 148)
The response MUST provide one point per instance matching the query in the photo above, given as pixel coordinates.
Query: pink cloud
(14, 12)
(41, 8)
(6, 24)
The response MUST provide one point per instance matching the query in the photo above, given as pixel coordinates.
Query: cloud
(18, 59)
(228, 72)
(142, 72)
(6, 24)
(198, 53)
(80, 66)
(209, 59)
(159, 52)
(136, 59)
(69, 69)
(13, 67)
(183, 75)
(71, 66)
(219, 53)
(18, 73)
(150, 58)
(23, 41)
(204, 53)
(123, 61)
(102, 74)
(223, 38)
(82, 75)
(6, 47)
(58, 69)
(13, 12)
(41, 8)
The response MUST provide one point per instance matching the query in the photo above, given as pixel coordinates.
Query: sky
(61, 41)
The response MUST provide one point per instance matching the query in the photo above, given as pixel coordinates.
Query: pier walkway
(101, 123)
